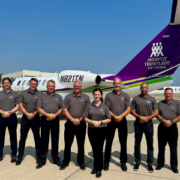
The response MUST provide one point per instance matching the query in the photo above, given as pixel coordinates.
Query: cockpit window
(28, 83)
(160, 89)
(23, 82)
(18, 83)
(39, 82)
(44, 82)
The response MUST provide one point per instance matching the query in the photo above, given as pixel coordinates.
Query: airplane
(154, 65)
(160, 92)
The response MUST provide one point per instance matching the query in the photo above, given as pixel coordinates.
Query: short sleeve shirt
(29, 100)
(50, 103)
(76, 104)
(117, 103)
(144, 106)
(8, 100)
(169, 111)
(97, 113)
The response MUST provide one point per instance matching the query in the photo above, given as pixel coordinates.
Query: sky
(100, 36)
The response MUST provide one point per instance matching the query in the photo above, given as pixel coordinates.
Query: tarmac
(27, 170)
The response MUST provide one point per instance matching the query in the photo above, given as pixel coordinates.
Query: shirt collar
(170, 102)
(114, 92)
(10, 92)
(51, 94)
(144, 97)
(76, 96)
(101, 104)
(31, 92)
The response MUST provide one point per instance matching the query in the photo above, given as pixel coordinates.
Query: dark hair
(98, 89)
(6, 78)
(34, 79)
(168, 89)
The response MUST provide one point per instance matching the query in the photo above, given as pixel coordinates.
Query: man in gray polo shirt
(30, 119)
(144, 109)
(118, 103)
(169, 116)
(75, 104)
(50, 105)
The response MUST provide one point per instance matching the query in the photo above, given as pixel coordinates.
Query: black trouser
(11, 123)
(122, 133)
(69, 132)
(96, 138)
(170, 135)
(46, 126)
(26, 124)
(148, 130)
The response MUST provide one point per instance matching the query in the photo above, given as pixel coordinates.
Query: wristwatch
(172, 122)
(101, 123)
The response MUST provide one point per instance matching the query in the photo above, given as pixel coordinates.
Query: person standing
(30, 119)
(50, 105)
(144, 108)
(119, 105)
(97, 115)
(169, 116)
(75, 104)
(9, 104)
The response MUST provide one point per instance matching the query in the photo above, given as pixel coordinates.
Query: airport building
(26, 73)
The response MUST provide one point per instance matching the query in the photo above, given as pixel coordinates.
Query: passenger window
(39, 82)
(18, 83)
(44, 82)
(23, 82)
(161, 89)
(28, 83)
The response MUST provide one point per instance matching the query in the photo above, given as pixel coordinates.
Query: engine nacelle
(67, 78)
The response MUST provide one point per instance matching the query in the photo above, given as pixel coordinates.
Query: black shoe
(1, 158)
(175, 170)
(123, 167)
(136, 167)
(13, 159)
(19, 160)
(93, 171)
(63, 166)
(58, 162)
(98, 174)
(150, 169)
(159, 167)
(40, 165)
(82, 166)
(106, 166)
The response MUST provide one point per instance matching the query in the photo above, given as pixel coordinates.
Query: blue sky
(97, 35)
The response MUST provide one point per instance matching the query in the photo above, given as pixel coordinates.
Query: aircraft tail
(161, 57)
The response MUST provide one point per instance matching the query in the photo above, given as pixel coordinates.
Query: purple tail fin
(162, 55)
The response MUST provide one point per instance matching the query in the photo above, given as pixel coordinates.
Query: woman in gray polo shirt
(97, 115)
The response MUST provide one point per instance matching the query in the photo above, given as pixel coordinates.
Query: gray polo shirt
(50, 103)
(95, 113)
(117, 103)
(29, 100)
(76, 105)
(8, 101)
(144, 106)
(169, 111)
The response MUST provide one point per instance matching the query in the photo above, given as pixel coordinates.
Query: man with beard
(144, 109)
(118, 103)
(169, 116)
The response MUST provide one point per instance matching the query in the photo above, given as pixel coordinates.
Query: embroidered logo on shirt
(11, 96)
(122, 98)
(101, 109)
(56, 99)
(172, 107)
(35, 97)
(148, 101)
(82, 99)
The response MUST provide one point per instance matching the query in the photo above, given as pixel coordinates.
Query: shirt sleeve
(66, 102)
(154, 105)
(128, 104)
(178, 109)
(107, 102)
(16, 99)
(61, 102)
(107, 113)
(40, 102)
(21, 98)
(133, 104)
(86, 111)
